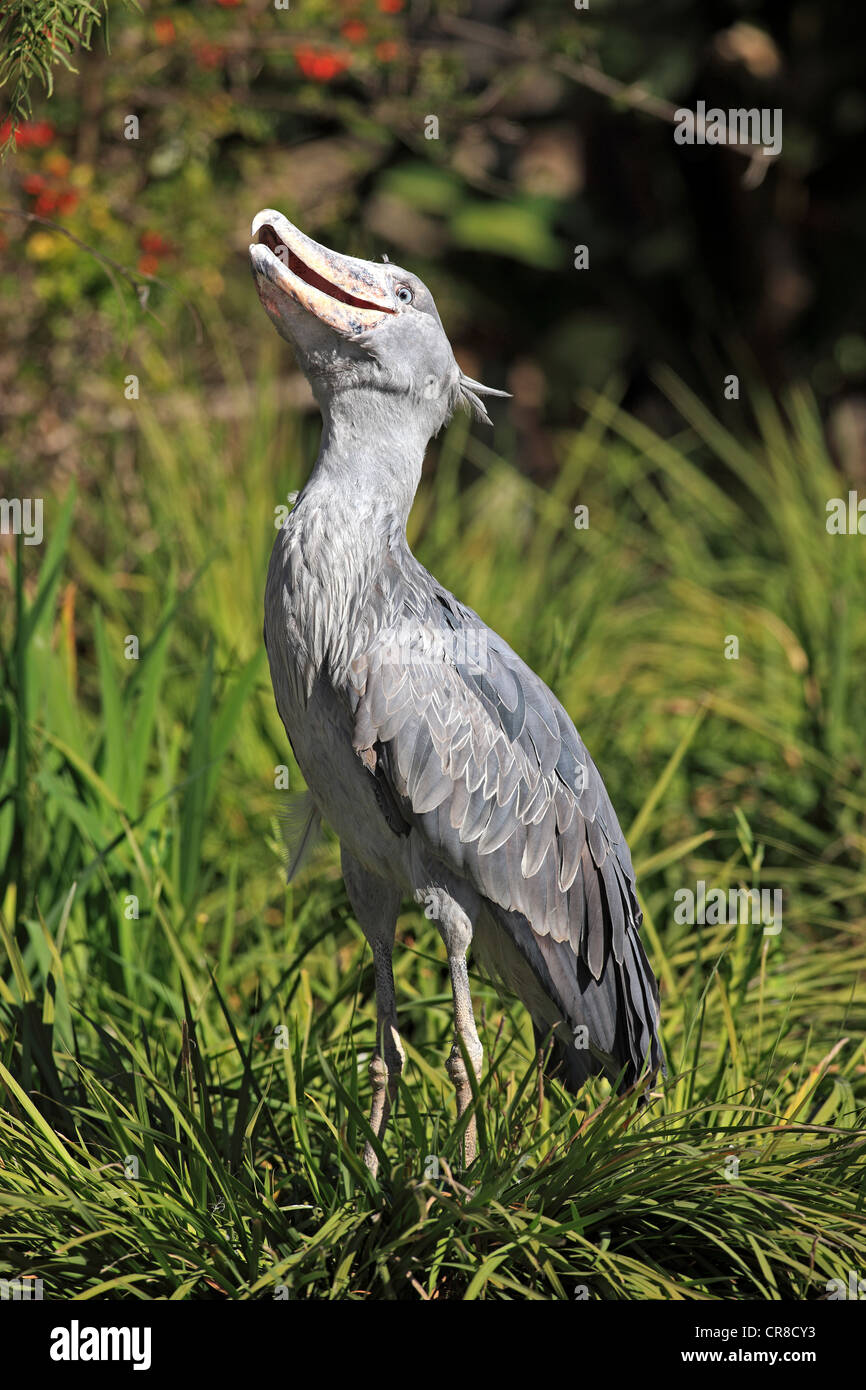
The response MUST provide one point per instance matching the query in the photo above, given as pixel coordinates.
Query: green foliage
(36, 36)
(156, 1038)
(553, 131)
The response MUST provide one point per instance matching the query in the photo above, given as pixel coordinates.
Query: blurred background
(145, 397)
(321, 110)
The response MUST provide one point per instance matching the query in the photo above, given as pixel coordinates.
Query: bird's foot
(459, 1076)
(381, 1104)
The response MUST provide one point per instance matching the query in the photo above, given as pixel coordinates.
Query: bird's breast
(321, 608)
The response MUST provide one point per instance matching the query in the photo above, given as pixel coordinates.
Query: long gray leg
(455, 928)
(376, 904)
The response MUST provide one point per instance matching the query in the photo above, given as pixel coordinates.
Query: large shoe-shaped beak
(349, 295)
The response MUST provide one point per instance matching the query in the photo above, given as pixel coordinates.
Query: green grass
(217, 1042)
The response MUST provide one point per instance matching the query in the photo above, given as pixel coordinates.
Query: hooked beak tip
(346, 294)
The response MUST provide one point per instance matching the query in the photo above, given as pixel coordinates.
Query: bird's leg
(376, 903)
(467, 1034)
(455, 927)
(386, 1065)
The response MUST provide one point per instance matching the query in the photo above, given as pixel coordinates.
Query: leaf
(520, 231)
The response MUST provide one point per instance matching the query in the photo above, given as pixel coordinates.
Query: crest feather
(470, 396)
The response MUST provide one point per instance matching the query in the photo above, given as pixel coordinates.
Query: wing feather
(489, 767)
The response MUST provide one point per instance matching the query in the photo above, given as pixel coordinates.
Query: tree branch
(136, 281)
(631, 95)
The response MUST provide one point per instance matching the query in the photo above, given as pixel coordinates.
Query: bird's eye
(404, 294)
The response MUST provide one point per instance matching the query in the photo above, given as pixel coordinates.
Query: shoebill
(449, 771)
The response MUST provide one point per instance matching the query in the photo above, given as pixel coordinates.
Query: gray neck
(370, 456)
(345, 540)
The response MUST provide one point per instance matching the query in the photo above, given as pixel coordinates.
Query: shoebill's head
(358, 326)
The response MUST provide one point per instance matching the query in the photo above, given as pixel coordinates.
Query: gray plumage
(301, 826)
(447, 768)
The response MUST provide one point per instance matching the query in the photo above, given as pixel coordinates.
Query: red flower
(164, 30)
(208, 55)
(354, 30)
(390, 6)
(321, 67)
(329, 65)
(148, 265)
(34, 184)
(38, 133)
(45, 204)
(68, 201)
(387, 51)
(154, 244)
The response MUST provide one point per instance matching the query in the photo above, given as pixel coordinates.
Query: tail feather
(608, 1026)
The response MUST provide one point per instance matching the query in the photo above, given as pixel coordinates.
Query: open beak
(349, 295)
